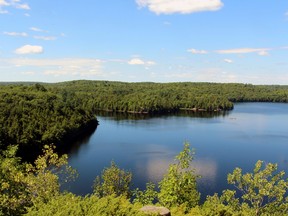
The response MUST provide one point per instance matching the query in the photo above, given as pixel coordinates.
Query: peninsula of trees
(33, 114)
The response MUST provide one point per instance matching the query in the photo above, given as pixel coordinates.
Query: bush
(179, 185)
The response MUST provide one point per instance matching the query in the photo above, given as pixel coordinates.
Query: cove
(146, 145)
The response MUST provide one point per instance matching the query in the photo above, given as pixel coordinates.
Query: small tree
(48, 174)
(112, 181)
(147, 196)
(179, 185)
(262, 192)
(14, 196)
(23, 185)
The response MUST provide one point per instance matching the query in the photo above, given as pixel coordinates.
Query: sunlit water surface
(146, 145)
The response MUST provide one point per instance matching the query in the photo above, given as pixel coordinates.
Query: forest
(36, 114)
(166, 97)
(34, 189)
(32, 116)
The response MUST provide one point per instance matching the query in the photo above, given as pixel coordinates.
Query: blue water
(147, 145)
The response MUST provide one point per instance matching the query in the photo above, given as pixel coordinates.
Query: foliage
(147, 97)
(14, 194)
(263, 191)
(179, 185)
(48, 173)
(24, 185)
(214, 205)
(113, 180)
(69, 204)
(34, 190)
(146, 197)
(34, 115)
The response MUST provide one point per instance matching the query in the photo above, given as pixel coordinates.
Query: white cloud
(3, 11)
(138, 61)
(47, 38)
(22, 34)
(204, 75)
(228, 60)
(53, 62)
(3, 3)
(60, 67)
(37, 29)
(22, 6)
(14, 3)
(286, 14)
(194, 51)
(150, 63)
(263, 53)
(29, 49)
(77, 67)
(180, 6)
(260, 51)
(28, 73)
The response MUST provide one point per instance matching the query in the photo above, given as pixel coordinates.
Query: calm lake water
(146, 145)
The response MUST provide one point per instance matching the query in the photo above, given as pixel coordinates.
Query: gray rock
(154, 209)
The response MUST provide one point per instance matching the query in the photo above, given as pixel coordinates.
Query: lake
(146, 145)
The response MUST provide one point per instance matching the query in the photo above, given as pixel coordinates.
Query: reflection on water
(207, 169)
(153, 170)
(146, 144)
(156, 168)
(183, 113)
(79, 142)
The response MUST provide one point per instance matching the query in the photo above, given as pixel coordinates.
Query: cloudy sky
(242, 41)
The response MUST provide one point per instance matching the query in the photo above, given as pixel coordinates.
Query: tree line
(32, 116)
(166, 97)
(34, 189)
(35, 114)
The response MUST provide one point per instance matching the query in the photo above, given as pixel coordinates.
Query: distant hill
(33, 114)
(20, 83)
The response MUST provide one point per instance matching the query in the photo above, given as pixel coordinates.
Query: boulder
(155, 209)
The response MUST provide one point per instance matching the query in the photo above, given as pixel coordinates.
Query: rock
(154, 209)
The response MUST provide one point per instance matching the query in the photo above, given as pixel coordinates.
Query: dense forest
(35, 114)
(34, 189)
(32, 116)
(161, 97)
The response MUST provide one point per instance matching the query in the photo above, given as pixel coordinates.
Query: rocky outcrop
(162, 211)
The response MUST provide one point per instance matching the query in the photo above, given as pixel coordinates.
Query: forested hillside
(37, 114)
(161, 97)
(31, 116)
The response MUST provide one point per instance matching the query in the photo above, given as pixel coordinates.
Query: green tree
(113, 180)
(23, 185)
(214, 205)
(14, 195)
(146, 197)
(179, 187)
(48, 174)
(263, 192)
(72, 205)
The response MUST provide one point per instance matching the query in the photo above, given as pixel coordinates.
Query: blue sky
(243, 41)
